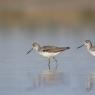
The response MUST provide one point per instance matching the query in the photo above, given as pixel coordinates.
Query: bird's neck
(89, 46)
(37, 48)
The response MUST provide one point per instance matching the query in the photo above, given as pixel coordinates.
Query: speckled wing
(52, 49)
(93, 48)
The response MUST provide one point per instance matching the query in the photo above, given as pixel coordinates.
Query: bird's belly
(46, 54)
(92, 52)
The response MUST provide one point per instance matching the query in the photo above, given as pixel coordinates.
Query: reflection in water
(90, 81)
(47, 78)
(51, 77)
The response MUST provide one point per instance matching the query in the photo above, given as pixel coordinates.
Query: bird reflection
(47, 78)
(90, 81)
(51, 77)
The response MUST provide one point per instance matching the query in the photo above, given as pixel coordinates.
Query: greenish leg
(49, 64)
(55, 62)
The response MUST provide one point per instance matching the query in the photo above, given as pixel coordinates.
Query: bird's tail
(65, 48)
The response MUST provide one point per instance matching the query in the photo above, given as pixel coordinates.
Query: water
(22, 74)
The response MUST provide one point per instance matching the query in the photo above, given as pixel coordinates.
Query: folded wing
(53, 49)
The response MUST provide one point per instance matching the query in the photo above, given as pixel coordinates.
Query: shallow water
(22, 74)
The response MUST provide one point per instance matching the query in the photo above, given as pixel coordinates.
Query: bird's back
(92, 48)
(53, 49)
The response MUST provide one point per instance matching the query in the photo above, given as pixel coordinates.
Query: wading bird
(48, 51)
(89, 47)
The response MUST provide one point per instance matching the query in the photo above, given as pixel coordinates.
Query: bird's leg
(55, 62)
(49, 64)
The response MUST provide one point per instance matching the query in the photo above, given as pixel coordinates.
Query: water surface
(20, 73)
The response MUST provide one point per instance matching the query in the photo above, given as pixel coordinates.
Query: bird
(47, 51)
(89, 46)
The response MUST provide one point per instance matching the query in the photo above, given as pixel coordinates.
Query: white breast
(92, 52)
(46, 54)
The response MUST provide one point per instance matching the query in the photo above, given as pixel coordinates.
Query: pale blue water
(19, 73)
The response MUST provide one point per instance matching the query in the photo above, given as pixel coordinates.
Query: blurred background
(48, 22)
(32, 13)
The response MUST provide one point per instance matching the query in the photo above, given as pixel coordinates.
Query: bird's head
(35, 46)
(87, 43)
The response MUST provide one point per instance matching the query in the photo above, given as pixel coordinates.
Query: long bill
(29, 51)
(80, 46)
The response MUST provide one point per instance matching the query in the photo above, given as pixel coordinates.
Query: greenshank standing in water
(48, 51)
(89, 47)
